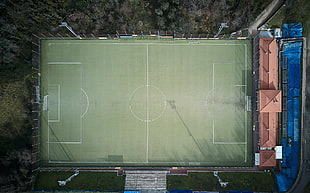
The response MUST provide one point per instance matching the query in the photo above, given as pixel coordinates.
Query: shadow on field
(174, 107)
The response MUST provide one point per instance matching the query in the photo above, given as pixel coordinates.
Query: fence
(35, 99)
(139, 34)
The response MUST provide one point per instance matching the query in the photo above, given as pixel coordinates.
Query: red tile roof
(268, 158)
(268, 63)
(268, 129)
(270, 100)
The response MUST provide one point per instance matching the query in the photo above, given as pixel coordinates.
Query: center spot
(147, 103)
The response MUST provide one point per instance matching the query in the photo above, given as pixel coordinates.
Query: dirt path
(273, 7)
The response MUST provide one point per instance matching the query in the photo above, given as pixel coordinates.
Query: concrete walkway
(272, 8)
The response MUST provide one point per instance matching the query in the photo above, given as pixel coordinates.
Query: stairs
(146, 181)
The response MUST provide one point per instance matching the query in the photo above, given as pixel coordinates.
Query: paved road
(304, 171)
(272, 8)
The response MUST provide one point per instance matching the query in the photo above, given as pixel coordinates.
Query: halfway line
(147, 102)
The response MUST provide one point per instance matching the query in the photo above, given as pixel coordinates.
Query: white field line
(213, 131)
(213, 101)
(230, 143)
(135, 115)
(48, 136)
(94, 162)
(130, 107)
(87, 103)
(167, 44)
(48, 125)
(147, 102)
(59, 102)
(58, 105)
(245, 112)
(65, 142)
(64, 63)
(204, 44)
(81, 86)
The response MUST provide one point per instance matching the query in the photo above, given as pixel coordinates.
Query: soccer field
(146, 102)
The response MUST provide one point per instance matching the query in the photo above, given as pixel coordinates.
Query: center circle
(147, 103)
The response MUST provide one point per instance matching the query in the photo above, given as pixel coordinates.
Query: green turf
(240, 181)
(146, 102)
(85, 181)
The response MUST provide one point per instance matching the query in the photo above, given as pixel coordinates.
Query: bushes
(85, 181)
(205, 181)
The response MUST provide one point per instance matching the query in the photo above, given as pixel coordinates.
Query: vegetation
(258, 182)
(307, 190)
(294, 11)
(278, 18)
(85, 181)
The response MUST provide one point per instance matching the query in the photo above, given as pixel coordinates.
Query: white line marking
(206, 44)
(48, 126)
(89, 162)
(130, 107)
(59, 102)
(213, 82)
(207, 101)
(65, 142)
(64, 63)
(53, 121)
(147, 102)
(48, 137)
(147, 120)
(81, 120)
(230, 143)
(213, 132)
(167, 44)
(87, 103)
(58, 105)
(213, 101)
(245, 112)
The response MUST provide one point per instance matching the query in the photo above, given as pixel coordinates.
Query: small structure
(270, 33)
(277, 33)
(64, 24)
(63, 183)
(222, 26)
(257, 159)
(223, 184)
(278, 150)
